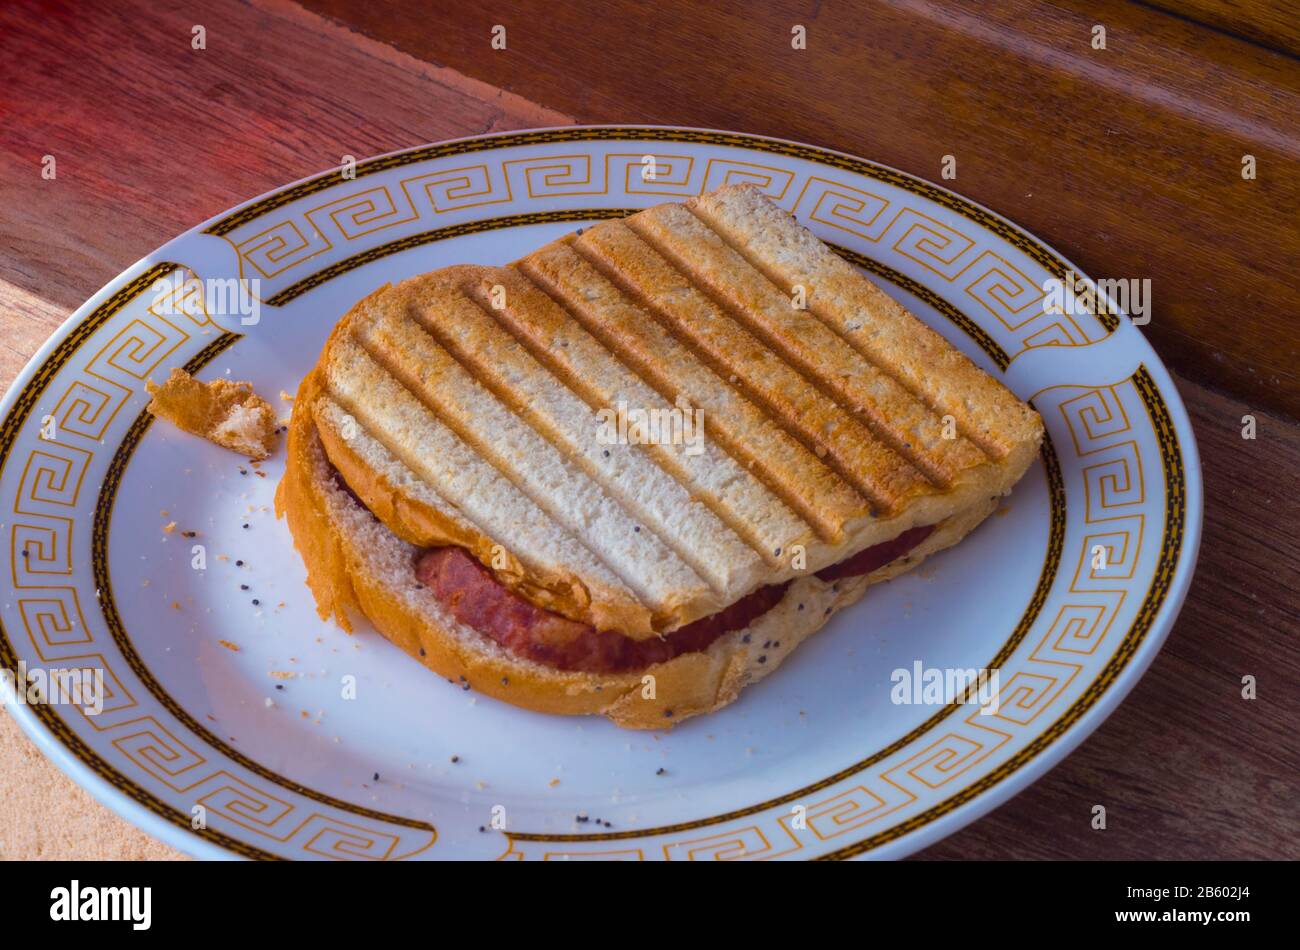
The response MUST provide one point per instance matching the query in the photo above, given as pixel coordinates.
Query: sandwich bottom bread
(357, 566)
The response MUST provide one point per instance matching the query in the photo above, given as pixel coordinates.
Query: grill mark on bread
(414, 511)
(386, 389)
(889, 410)
(492, 357)
(866, 318)
(330, 417)
(530, 462)
(754, 540)
(808, 415)
(617, 318)
(579, 360)
(481, 498)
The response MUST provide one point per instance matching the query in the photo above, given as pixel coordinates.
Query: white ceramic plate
(816, 761)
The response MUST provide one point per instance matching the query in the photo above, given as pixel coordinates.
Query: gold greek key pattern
(372, 254)
(87, 381)
(752, 143)
(308, 230)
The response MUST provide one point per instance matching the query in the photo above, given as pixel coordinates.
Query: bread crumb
(228, 414)
(554, 782)
(169, 527)
(233, 647)
(283, 675)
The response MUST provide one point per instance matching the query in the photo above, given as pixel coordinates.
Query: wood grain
(1128, 158)
(1271, 23)
(1185, 767)
(152, 137)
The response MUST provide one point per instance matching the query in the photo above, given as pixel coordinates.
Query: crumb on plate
(226, 413)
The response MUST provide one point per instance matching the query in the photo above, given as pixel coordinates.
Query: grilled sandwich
(630, 472)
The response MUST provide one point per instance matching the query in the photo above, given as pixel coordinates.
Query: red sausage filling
(477, 599)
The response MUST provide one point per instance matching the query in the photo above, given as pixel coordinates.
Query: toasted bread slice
(357, 567)
(472, 406)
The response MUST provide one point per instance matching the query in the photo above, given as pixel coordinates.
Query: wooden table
(1127, 159)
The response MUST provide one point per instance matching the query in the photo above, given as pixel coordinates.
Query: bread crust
(354, 567)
